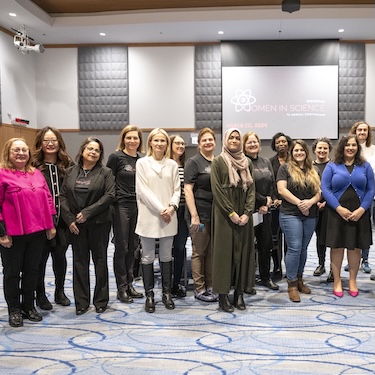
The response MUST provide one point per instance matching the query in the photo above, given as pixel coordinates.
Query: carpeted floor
(321, 335)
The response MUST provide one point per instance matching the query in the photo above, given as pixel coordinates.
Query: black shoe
(150, 303)
(330, 277)
(251, 291)
(61, 298)
(82, 310)
(239, 303)
(133, 293)
(123, 296)
(277, 274)
(269, 284)
(372, 277)
(178, 291)
(15, 319)
(42, 302)
(100, 310)
(319, 270)
(225, 304)
(32, 315)
(168, 302)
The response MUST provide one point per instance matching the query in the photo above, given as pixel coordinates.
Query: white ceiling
(193, 25)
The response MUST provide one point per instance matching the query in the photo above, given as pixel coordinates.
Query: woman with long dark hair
(348, 187)
(51, 158)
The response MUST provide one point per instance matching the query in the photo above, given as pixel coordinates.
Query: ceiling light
(102, 34)
(340, 30)
(220, 32)
(290, 5)
(13, 14)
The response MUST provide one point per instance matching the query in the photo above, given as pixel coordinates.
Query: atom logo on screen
(243, 100)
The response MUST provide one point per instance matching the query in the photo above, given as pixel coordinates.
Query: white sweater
(157, 185)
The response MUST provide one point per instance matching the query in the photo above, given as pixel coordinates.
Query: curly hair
(353, 130)
(339, 151)
(278, 135)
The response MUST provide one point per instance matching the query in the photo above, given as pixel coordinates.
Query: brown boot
(303, 288)
(293, 291)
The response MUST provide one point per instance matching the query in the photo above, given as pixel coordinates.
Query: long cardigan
(232, 245)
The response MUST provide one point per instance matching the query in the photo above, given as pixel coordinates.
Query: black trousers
(59, 265)
(126, 241)
(20, 269)
(92, 239)
(263, 234)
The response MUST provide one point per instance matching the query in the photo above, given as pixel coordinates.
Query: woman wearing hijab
(232, 223)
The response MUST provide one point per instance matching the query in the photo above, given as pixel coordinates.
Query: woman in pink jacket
(26, 220)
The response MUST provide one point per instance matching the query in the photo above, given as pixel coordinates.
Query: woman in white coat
(158, 194)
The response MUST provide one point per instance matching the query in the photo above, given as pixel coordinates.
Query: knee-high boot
(148, 282)
(166, 280)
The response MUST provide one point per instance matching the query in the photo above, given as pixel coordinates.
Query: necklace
(86, 172)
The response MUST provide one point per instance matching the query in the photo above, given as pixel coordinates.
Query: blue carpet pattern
(321, 335)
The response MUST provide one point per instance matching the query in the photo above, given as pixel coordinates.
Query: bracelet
(232, 213)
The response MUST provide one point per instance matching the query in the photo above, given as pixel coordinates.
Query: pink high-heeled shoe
(338, 294)
(353, 293)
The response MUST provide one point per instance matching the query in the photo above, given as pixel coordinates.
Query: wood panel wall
(8, 131)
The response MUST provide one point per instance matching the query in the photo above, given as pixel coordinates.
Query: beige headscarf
(236, 162)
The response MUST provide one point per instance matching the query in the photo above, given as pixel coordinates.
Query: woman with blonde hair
(123, 162)
(26, 221)
(299, 185)
(157, 186)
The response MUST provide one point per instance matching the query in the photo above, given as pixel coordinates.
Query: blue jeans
(298, 231)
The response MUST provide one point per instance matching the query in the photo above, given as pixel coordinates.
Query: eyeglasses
(179, 143)
(19, 150)
(48, 141)
(92, 149)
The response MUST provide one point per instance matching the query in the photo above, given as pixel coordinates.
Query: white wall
(18, 82)
(370, 84)
(57, 88)
(161, 87)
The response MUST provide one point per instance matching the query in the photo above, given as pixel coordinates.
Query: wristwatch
(174, 206)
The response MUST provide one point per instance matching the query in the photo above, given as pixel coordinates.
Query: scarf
(237, 162)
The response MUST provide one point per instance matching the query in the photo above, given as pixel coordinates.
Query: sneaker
(366, 267)
(205, 296)
(215, 296)
(319, 270)
(178, 291)
(346, 268)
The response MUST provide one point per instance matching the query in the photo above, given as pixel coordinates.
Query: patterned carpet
(321, 335)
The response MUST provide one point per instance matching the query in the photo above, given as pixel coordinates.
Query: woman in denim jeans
(299, 185)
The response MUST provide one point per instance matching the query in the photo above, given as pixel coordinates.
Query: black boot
(148, 282)
(238, 302)
(133, 293)
(166, 281)
(225, 304)
(42, 301)
(61, 298)
(123, 296)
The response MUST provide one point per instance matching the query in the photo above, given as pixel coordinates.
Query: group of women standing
(47, 202)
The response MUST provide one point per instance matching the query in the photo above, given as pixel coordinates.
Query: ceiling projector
(22, 42)
(290, 5)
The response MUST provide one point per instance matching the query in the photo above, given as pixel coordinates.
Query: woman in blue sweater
(348, 188)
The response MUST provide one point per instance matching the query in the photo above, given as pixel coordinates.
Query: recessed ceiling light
(102, 34)
(13, 14)
(341, 30)
(220, 32)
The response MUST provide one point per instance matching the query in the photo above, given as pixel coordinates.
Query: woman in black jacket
(51, 158)
(86, 198)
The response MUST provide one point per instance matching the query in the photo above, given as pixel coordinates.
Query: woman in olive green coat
(232, 222)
